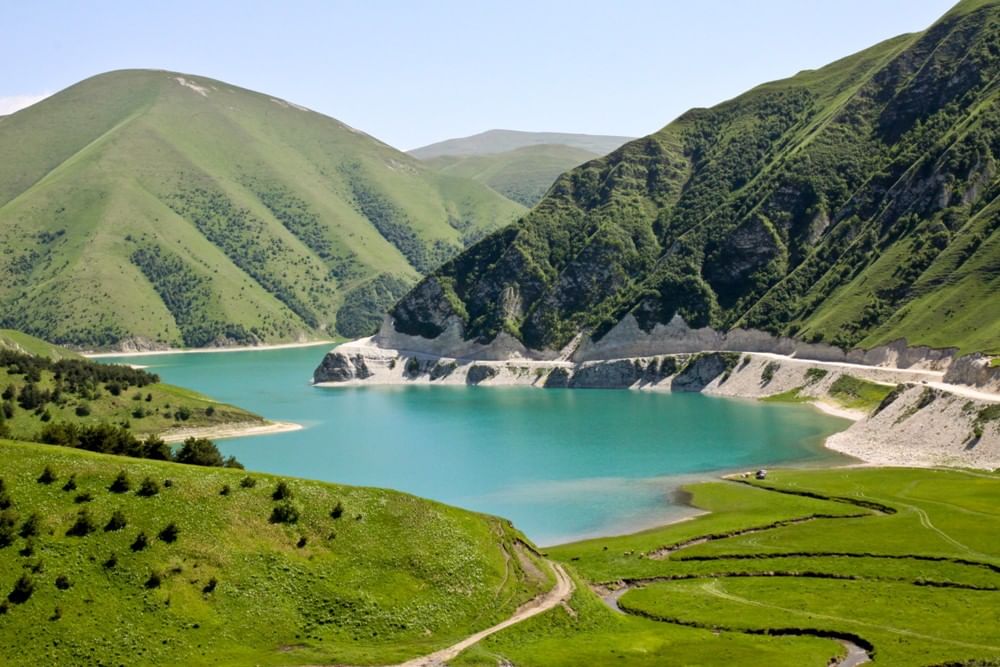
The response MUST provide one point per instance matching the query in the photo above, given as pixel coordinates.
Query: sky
(412, 73)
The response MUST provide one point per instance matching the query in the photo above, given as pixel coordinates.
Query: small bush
(282, 491)
(82, 498)
(337, 511)
(83, 525)
(63, 583)
(210, 586)
(121, 484)
(28, 550)
(169, 533)
(116, 522)
(48, 476)
(23, 588)
(209, 411)
(155, 579)
(148, 488)
(302, 542)
(767, 374)
(167, 483)
(82, 410)
(140, 542)
(225, 490)
(70, 484)
(248, 482)
(111, 563)
(31, 526)
(284, 513)
(8, 521)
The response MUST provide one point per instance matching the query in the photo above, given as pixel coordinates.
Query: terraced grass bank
(98, 568)
(901, 562)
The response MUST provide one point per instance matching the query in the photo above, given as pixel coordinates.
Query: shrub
(116, 522)
(63, 583)
(70, 484)
(282, 491)
(210, 586)
(338, 510)
(155, 579)
(248, 482)
(28, 550)
(82, 410)
(111, 563)
(8, 520)
(140, 542)
(48, 476)
(153, 447)
(209, 411)
(284, 513)
(31, 525)
(231, 462)
(302, 542)
(167, 483)
(225, 490)
(83, 525)
(169, 533)
(183, 413)
(5, 501)
(767, 374)
(199, 452)
(148, 488)
(83, 498)
(23, 588)
(120, 483)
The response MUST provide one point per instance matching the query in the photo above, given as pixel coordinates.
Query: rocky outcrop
(341, 368)
(975, 370)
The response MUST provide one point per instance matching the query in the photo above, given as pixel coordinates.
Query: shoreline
(231, 430)
(206, 350)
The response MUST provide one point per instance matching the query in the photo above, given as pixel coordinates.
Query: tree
(23, 588)
(284, 513)
(83, 525)
(120, 484)
(8, 521)
(169, 533)
(140, 542)
(282, 491)
(155, 448)
(148, 488)
(31, 525)
(5, 501)
(70, 484)
(338, 510)
(199, 452)
(116, 522)
(63, 583)
(48, 476)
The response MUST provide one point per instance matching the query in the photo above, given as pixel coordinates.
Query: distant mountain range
(519, 165)
(854, 205)
(155, 208)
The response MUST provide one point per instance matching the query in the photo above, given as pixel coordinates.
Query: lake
(561, 463)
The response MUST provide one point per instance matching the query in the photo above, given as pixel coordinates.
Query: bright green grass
(791, 396)
(29, 344)
(304, 208)
(394, 577)
(160, 413)
(915, 572)
(852, 392)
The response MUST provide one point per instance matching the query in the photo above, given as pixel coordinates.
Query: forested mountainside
(855, 205)
(155, 208)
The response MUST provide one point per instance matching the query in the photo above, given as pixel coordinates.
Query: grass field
(904, 562)
(386, 577)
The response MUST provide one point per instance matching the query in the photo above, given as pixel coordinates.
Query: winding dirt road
(560, 593)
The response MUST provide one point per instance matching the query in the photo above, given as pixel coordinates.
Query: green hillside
(523, 174)
(901, 562)
(165, 208)
(327, 574)
(22, 342)
(854, 205)
(502, 141)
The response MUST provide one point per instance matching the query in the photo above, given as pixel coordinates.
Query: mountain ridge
(501, 141)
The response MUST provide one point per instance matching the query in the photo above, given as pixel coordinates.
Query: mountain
(153, 208)
(524, 174)
(501, 141)
(853, 205)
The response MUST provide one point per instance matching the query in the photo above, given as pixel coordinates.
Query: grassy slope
(271, 212)
(394, 577)
(523, 174)
(160, 412)
(855, 205)
(502, 141)
(882, 593)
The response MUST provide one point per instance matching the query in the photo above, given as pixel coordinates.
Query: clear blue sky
(416, 72)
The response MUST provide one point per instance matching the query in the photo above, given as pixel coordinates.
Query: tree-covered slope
(855, 205)
(523, 174)
(172, 209)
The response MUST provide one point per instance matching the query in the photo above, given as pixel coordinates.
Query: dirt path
(560, 593)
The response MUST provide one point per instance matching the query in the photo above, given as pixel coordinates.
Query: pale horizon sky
(412, 75)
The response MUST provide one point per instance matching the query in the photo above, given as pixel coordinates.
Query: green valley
(146, 208)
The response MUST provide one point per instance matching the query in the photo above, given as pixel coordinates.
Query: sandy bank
(234, 430)
(203, 350)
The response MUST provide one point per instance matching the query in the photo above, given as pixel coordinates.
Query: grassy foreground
(327, 575)
(903, 562)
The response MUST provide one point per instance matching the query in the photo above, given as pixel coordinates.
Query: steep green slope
(854, 205)
(328, 574)
(523, 174)
(501, 141)
(179, 210)
(22, 342)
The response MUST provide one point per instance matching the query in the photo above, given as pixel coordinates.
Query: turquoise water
(561, 464)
